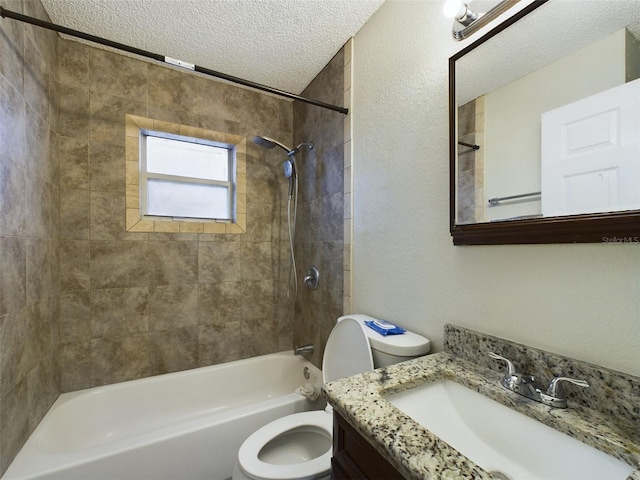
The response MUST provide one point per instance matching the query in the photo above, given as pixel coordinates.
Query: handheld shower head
(267, 142)
(289, 165)
(290, 173)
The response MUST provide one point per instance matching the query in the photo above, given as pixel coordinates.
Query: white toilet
(299, 446)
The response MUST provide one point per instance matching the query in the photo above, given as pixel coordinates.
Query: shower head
(309, 146)
(267, 142)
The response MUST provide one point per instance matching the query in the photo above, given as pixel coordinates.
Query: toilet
(299, 446)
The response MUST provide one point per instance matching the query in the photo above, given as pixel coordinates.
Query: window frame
(135, 222)
(145, 175)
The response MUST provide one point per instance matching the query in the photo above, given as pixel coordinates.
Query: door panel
(591, 154)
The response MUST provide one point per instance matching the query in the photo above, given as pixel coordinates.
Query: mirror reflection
(548, 117)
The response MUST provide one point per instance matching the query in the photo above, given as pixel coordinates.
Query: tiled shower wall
(85, 303)
(470, 189)
(320, 232)
(29, 228)
(140, 304)
(466, 164)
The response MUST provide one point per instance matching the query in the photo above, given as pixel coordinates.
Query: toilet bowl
(292, 447)
(299, 446)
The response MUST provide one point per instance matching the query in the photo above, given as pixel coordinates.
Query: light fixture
(466, 21)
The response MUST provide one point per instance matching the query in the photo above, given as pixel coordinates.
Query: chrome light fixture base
(466, 21)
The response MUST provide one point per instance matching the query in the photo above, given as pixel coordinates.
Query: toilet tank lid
(408, 344)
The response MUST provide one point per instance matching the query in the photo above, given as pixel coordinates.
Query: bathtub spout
(309, 348)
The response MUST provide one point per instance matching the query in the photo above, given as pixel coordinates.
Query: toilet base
(239, 475)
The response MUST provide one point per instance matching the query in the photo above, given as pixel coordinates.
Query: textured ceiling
(279, 43)
(552, 31)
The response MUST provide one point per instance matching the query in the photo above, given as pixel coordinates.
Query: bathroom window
(186, 177)
(181, 178)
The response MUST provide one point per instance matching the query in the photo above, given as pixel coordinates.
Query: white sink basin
(501, 440)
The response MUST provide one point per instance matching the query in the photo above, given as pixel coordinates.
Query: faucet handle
(555, 393)
(511, 370)
(555, 386)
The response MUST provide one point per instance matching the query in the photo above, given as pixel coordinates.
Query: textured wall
(319, 235)
(581, 301)
(139, 304)
(29, 229)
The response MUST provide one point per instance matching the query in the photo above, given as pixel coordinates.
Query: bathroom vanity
(354, 458)
(374, 438)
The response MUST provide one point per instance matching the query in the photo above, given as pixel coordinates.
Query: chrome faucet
(527, 386)
(523, 384)
(555, 393)
(309, 348)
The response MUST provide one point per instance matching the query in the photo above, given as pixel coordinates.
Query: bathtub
(180, 426)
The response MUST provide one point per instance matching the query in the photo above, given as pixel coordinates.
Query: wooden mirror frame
(614, 227)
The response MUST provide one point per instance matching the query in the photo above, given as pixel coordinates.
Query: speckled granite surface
(419, 454)
(612, 393)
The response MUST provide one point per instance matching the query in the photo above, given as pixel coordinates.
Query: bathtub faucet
(309, 348)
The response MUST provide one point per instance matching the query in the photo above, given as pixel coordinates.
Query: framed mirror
(544, 121)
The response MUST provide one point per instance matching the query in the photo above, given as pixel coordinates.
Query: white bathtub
(179, 426)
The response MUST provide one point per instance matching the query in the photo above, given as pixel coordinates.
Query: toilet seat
(255, 468)
(347, 351)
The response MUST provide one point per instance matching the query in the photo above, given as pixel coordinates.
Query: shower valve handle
(312, 278)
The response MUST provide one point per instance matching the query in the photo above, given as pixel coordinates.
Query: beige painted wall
(578, 300)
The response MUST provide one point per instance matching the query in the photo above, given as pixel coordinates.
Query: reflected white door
(591, 154)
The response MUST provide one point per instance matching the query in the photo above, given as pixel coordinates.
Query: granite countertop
(419, 454)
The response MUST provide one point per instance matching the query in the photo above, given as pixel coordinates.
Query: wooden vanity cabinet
(355, 458)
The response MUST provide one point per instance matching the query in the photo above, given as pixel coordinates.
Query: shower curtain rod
(171, 61)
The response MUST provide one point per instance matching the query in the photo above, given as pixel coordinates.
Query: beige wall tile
(75, 362)
(118, 264)
(74, 163)
(320, 237)
(118, 359)
(218, 279)
(173, 263)
(107, 114)
(75, 265)
(220, 303)
(169, 227)
(119, 311)
(31, 205)
(173, 306)
(114, 75)
(193, 227)
(13, 276)
(173, 350)
(74, 112)
(214, 227)
(219, 343)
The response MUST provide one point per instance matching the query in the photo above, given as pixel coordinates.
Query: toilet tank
(390, 349)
